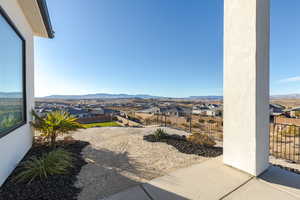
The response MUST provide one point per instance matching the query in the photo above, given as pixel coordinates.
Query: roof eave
(46, 18)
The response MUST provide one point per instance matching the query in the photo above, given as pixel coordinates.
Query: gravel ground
(284, 163)
(119, 158)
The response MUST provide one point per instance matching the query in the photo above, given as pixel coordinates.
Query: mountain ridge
(124, 96)
(141, 96)
(147, 96)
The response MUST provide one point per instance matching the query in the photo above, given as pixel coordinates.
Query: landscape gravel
(119, 158)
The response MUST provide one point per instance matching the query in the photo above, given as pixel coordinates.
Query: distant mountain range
(129, 96)
(286, 96)
(205, 97)
(125, 96)
(102, 96)
(10, 95)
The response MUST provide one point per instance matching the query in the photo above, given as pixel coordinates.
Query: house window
(12, 76)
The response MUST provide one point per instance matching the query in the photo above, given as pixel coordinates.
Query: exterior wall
(15, 145)
(246, 85)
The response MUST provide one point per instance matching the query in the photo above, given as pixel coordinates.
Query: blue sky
(159, 47)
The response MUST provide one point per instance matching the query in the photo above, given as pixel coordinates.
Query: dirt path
(119, 158)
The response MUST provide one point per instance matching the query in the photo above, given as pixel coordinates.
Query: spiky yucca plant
(55, 123)
(160, 134)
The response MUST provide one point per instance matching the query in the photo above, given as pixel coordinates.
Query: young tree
(55, 123)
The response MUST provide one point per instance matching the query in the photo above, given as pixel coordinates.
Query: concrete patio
(212, 180)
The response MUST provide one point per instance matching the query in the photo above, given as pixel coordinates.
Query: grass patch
(101, 124)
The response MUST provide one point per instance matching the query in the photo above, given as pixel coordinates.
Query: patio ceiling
(37, 15)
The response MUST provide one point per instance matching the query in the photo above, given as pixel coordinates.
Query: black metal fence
(284, 138)
(211, 126)
(285, 142)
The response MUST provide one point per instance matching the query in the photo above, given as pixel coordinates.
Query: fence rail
(285, 142)
(284, 138)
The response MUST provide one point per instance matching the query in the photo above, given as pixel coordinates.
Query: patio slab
(255, 189)
(282, 180)
(212, 180)
(208, 180)
(135, 193)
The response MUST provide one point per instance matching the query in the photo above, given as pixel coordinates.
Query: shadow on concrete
(281, 177)
(157, 193)
(145, 192)
(108, 172)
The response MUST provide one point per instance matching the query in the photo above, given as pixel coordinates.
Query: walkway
(213, 180)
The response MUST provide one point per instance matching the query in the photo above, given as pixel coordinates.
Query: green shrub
(202, 139)
(160, 133)
(55, 162)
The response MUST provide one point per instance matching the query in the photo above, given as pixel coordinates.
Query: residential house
(153, 110)
(78, 112)
(276, 109)
(246, 90)
(212, 110)
(20, 21)
(294, 112)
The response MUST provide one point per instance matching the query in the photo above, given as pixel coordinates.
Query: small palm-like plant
(55, 162)
(55, 123)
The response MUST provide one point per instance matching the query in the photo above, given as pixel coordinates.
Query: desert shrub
(68, 138)
(201, 121)
(148, 121)
(55, 162)
(196, 125)
(211, 121)
(185, 125)
(279, 138)
(220, 136)
(202, 139)
(160, 133)
(291, 131)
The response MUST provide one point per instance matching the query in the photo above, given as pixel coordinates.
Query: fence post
(165, 120)
(190, 123)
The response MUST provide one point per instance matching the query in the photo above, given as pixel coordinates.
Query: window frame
(12, 25)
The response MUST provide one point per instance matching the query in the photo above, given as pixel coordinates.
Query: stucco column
(246, 84)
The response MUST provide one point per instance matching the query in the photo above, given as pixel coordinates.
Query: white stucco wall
(15, 145)
(246, 85)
